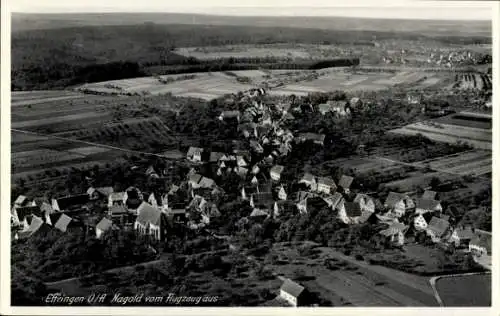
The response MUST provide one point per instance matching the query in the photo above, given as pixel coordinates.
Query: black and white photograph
(302, 154)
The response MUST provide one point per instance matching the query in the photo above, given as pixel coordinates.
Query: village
(194, 202)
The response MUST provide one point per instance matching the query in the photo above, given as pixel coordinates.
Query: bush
(347, 252)
(359, 257)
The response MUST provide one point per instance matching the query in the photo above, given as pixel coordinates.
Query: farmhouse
(216, 156)
(437, 228)
(35, 225)
(116, 198)
(63, 223)
(69, 202)
(275, 172)
(366, 203)
(21, 201)
(194, 154)
(395, 233)
(398, 204)
(462, 235)
(20, 215)
(256, 146)
(348, 212)
(333, 200)
(309, 180)
(259, 214)
(230, 115)
(429, 195)
(423, 206)
(318, 139)
(282, 195)
(345, 183)
(102, 227)
(150, 222)
(295, 294)
(481, 244)
(118, 212)
(326, 185)
(264, 200)
(151, 172)
(420, 222)
(340, 108)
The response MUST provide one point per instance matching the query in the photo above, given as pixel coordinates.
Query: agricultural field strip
(470, 167)
(60, 113)
(449, 164)
(32, 123)
(33, 102)
(455, 134)
(443, 137)
(463, 156)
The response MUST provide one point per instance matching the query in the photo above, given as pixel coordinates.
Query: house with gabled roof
(230, 115)
(151, 172)
(194, 154)
(116, 198)
(421, 221)
(150, 222)
(284, 206)
(102, 227)
(480, 245)
(21, 200)
(263, 200)
(309, 180)
(215, 156)
(293, 293)
(395, 233)
(118, 213)
(398, 204)
(282, 195)
(462, 235)
(345, 183)
(133, 198)
(70, 202)
(35, 224)
(20, 215)
(259, 214)
(366, 203)
(423, 206)
(333, 200)
(275, 172)
(318, 139)
(437, 228)
(255, 146)
(326, 185)
(348, 212)
(63, 222)
(429, 195)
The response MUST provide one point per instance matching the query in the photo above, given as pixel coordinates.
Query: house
(19, 215)
(262, 200)
(423, 206)
(198, 203)
(429, 195)
(259, 214)
(282, 195)
(215, 156)
(229, 115)
(480, 245)
(345, 183)
(102, 227)
(255, 169)
(420, 222)
(177, 213)
(194, 154)
(340, 108)
(366, 203)
(355, 103)
(301, 200)
(275, 172)
(153, 200)
(194, 179)
(206, 183)
(116, 198)
(326, 185)
(462, 235)
(395, 233)
(333, 200)
(437, 228)
(21, 200)
(294, 293)
(150, 222)
(118, 212)
(398, 204)
(309, 180)
(284, 206)
(241, 161)
(318, 139)
(246, 192)
(69, 202)
(35, 224)
(133, 198)
(63, 223)
(348, 212)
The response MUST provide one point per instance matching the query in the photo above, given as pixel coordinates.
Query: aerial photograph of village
(210, 159)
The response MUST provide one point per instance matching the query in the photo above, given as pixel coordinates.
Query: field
(207, 53)
(353, 282)
(472, 81)
(463, 127)
(475, 162)
(55, 131)
(456, 291)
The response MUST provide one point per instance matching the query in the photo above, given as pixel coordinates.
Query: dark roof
(215, 156)
(394, 198)
(426, 204)
(352, 209)
(345, 181)
(326, 181)
(23, 212)
(63, 222)
(133, 203)
(438, 226)
(263, 199)
(148, 214)
(72, 201)
(104, 224)
(429, 195)
(292, 288)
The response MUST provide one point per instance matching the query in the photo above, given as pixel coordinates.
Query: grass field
(475, 162)
(355, 282)
(465, 290)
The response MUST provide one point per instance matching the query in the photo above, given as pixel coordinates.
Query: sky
(406, 9)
